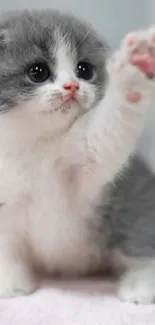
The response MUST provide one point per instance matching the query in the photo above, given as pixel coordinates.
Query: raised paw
(133, 66)
(141, 51)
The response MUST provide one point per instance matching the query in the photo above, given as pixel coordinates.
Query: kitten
(67, 129)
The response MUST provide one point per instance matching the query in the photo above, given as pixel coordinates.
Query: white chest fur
(38, 196)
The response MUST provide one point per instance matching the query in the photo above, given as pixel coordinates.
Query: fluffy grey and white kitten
(66, 133)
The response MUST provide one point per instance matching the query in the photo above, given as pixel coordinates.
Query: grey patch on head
(32, 36)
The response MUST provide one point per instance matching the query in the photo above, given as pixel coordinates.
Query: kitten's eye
(39, 72)
(84, 70)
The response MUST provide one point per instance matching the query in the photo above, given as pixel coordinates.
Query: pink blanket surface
(74, 303)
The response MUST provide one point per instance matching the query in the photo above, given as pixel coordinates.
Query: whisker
(82, 39)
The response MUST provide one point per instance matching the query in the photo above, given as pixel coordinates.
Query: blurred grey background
(113, 19)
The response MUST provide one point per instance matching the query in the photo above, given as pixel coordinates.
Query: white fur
(55, 157)
(138, 283)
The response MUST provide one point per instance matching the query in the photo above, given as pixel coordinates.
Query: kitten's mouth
(64, 107)
(67, 104)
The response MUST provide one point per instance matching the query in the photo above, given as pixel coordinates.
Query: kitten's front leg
(16, 278)
(16, 274)
(108, 135)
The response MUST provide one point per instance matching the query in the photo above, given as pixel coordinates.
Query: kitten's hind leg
(138, 283)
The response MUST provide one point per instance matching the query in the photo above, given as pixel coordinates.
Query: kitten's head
(52, 68)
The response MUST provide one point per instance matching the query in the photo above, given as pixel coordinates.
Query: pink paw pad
(131, 42)
(145, 63)
(143, 56)
(134, 97)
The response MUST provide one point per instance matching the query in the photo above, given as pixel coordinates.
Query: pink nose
(72, 86)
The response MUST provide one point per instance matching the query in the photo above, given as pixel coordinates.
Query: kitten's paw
(140, 51)
(137, 289)
(16, 284)
(133, 66)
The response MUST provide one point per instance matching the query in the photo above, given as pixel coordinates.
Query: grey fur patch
(131, 212)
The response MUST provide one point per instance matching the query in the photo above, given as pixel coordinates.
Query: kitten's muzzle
(72, 86)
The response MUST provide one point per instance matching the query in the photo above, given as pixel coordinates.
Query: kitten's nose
(72, 86)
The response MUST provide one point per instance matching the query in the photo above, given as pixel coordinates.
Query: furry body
(60, 155)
